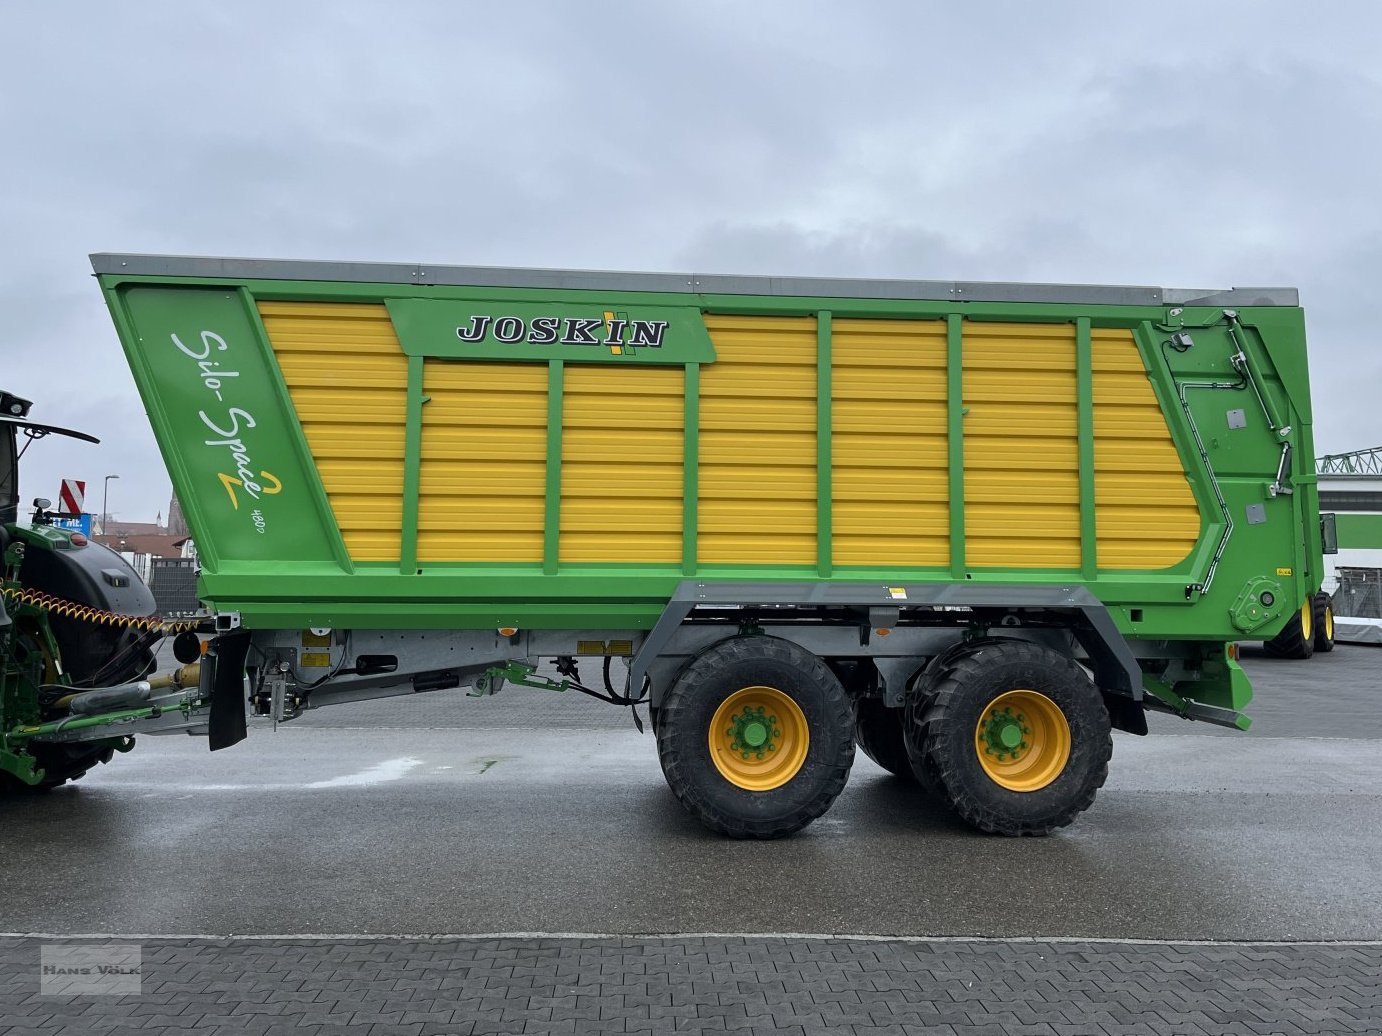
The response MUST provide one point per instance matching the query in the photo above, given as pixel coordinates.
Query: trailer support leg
(227, 674)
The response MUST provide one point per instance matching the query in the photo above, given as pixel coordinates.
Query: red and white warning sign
(72, 497)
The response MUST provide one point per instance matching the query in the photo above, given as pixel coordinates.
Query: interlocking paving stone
(769, 985)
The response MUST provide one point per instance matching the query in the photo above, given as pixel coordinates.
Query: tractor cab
(14, 424)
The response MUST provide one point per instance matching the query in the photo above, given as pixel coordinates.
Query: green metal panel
(691, 467)
(1084, 391)
(412, 466)
(232, 444)
(551, 529)
(295, 571)
(955, 440)
(1359, 531)
(824, 464)
(1170, 388)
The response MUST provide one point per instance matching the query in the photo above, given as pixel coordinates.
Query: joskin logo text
(562, 330)
(613, 331)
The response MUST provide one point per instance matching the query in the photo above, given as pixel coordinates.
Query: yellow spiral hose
(85, 613)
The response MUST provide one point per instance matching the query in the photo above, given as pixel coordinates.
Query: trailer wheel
(756, 737)
(1017, 738)
(919, 699)
(1324, 623)
(1297, 640)
(878, 731)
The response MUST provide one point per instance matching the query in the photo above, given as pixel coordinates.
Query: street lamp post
(105, 497)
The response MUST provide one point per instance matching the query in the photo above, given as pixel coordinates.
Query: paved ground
(462, 831)
(446, 815)
(801, 987)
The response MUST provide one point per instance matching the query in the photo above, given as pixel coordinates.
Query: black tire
(878, 733)
(944, 735)
(60, 764)
(1295, 640)
(919, 699)
(1324, 623)
(64, 763)
(12, 785)
(685, 722)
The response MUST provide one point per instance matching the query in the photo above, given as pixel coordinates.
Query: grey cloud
(1185, 144)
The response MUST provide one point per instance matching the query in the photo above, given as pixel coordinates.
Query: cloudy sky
(1176, 144)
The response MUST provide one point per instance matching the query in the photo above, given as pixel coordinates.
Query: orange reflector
(1233, 652)
(508, 631)
(882, 633)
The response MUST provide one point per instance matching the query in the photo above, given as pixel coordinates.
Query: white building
(1351, 489)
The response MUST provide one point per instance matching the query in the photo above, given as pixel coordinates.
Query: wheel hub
(1004, 735)
(752, 733)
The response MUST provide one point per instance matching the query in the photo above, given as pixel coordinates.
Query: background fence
(1360, 593)
(174, 583)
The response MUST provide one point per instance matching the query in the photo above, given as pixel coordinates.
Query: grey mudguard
(1115, 668)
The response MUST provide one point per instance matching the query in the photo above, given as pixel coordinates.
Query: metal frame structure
(1364, 463)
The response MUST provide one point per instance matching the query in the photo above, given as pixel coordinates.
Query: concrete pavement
(766, 986)
(456, 819)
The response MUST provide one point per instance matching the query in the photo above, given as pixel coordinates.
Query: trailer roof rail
(685, 283)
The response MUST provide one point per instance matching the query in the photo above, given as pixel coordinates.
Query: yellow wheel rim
(1328, 622)
(1022, 740)
(1307, 619)
(758, 738)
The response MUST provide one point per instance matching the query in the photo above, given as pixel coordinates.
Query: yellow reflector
(599, 647)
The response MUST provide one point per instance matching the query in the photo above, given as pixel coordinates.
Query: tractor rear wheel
(1015, 739)
(60, 764)
(756, 737)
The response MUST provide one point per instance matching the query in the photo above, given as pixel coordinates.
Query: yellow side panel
(622, 464)
(758, 442)
(889, 462)
(1021, 444)
(484, 461)
(1146, 514)
(348, 380)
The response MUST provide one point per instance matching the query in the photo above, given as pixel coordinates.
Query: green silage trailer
(970, 527)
